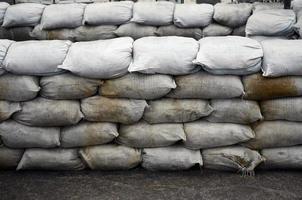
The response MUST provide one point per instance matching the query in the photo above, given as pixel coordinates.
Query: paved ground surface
(143, 185)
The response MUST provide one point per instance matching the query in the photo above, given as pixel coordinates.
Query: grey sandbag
(176, 110)
(46, 2)
(239, 31)
(282, 109)
(108, 13)
(16, 135)
(103, 109)
(9, 158)
(138, 86)
(3, 7)
(88, 133)
(234, 111)
(46, 112)
(18, 88)
(297, 5)
(170, 158)
(16, 33)
(51, 159)
(68, 86)
(62, 16)
(144, 135)
(40, 58)
(270, 134)
(25, 14)
(258, 87)
(4, 46)
(203, 135)
(7, 109)
(258, 6)
(232, 15)
(111, 157)
(282, 158)
(193, 15)
(153, 13)
(202, 85)
(234, 158)
(216, 30)
(135, 30)
(172, 30)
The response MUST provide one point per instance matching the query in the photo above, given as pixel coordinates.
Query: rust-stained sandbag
(135, 30)
(144, 135)
(9, 158)
(51, 159)
(111, 157)
(102, 109)
(88, 133)
(46, 112)
(216, 30)
(203, 135)
(68, 86)
(172, 30)
(7, 109)
(170, 158)
(138, 86)
(176, 110)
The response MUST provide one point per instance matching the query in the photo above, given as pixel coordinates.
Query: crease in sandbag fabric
(9, 158)
(7, 109)
(3, 7)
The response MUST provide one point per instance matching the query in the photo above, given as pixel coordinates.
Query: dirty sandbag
(170, 158)
(51, 159)
(172, 30)
(216, 30)
(232, 15)
(40, 58)
(3, 7)
(203, 135)
(18, 88)
(202, 85)
(144, 135)
(107, 58)
(46, 112)
(270, 134)
(103, 109)
(111, 157)
(4, 46)
(16, 33)
(173, 55)
(258, 6)
(234, 111)
(16, 135)
(9, 158)
(135, 30)
(88, 134)
(233, 158)
(138, 86)
(176, 110)
(25, 14)
(239, 31)
(68, 86)
(244, 55)
(7, 109)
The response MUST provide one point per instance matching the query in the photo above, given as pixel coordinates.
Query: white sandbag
(62, 16)
(258, 6)
(234, 111)
(176, 110)
(3, 7)
(144, 135)
(68, 86)
(172, 30)
(51, 159)
(138, 86)
(261, 38)
(107, 58)
(111, 157)
(282, 109)
(170, 158)
(202, 85)
(274, 22)
(135, 30)
(244, 55)
(18, 88)
(282, 57)
(46, 112)
(16, 135)
(203, 135)
(297, 5)
(239, 31)
(103, 109)
(39, 58)
(282, 158)
(232, 15)
(9, 158)
(233, 158)
(7, 109)
(270, 134)
(193, 15)
(88, 134)
(109, 13)
(165, 55)
(153, 13)
(216, 30)
(4, 46)
(25, 14)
